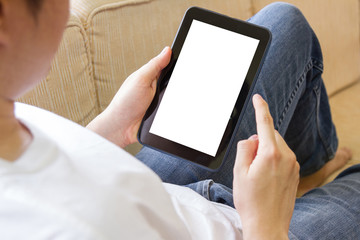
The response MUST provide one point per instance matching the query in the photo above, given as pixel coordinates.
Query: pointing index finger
(264, 121)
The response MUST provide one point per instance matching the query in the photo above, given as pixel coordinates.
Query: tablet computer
(201, 93)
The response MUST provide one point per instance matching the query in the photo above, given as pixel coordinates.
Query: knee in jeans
(281, 8)
(288, 25)
(285, 14)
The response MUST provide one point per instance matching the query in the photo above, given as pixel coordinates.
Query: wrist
(103, 125)
(259, 234)
(261, 231)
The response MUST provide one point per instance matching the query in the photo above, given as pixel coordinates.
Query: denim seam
(317, 93)
(318, 64)
(293, 93)
(206, 189)
(330, 154)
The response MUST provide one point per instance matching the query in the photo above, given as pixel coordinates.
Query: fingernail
(254, 137)
(257, 97)
(163, 51)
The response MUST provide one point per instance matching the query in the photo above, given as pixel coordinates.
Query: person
(61, 181)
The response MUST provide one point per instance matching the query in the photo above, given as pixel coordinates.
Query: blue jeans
(290, 81)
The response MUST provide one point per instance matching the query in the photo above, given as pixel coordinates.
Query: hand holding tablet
(201, 93)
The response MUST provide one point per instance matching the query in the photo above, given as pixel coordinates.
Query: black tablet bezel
(167, 146)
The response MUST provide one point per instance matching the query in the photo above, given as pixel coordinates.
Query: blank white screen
(204, 87)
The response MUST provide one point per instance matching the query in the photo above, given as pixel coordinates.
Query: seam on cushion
(111, 6)
(344, 88)
(90, 68)
(86, 25)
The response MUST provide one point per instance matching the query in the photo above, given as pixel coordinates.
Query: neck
(14, 137)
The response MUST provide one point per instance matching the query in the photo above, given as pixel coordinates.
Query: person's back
(73, 184)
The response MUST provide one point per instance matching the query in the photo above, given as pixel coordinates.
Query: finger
(153, 68)
(264, 122)
(246, 152)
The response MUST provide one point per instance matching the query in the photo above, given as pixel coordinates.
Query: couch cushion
(345, 107)
(336, 24)
(124, 35)
(68, 90)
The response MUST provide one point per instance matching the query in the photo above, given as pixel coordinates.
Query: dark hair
(34, 6)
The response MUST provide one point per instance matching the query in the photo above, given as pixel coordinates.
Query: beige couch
(106, 40)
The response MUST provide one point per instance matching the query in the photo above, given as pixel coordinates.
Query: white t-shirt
(73, 184)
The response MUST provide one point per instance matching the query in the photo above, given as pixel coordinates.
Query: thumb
(246, 152)
(153, 68)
